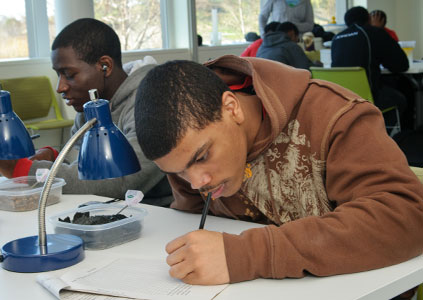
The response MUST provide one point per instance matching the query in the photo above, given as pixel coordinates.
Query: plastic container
(107, 235)
(408, 47)
(23, 194)
(326, 58)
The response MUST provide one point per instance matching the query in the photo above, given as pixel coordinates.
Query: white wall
(405, 17)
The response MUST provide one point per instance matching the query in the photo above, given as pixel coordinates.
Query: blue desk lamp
(14, 138)
(105, 153)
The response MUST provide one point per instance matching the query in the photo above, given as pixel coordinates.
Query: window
(324, 11)
(13, 33)
(226, 22)
(137, 23)
(51, 21)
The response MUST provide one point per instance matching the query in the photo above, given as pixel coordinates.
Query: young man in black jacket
(369, 47)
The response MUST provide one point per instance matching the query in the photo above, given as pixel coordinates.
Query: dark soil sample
(86, 219)
(107, 234)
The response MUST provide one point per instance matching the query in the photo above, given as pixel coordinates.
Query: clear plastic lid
(26, 185)
(407, 44)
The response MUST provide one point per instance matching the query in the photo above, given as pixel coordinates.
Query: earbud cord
(104, 80)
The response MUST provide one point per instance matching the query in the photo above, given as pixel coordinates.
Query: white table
(416, 67)
(162, 225)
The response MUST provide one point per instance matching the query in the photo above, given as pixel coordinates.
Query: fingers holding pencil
(198, 257)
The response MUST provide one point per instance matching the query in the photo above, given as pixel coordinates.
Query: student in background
(256, 40)
(276, 147)
(251, 36)
(378, 19)
(280, 44)
(86, 55)
(299, 12)
(369, 47)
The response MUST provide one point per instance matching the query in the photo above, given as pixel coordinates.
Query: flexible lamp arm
(105, 153)
(49, 181)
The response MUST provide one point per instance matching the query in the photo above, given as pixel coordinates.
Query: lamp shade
(105, 151)
(15, 141)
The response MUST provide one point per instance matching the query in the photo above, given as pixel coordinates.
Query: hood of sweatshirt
(290, 82)
(275, 38)
(136, 70)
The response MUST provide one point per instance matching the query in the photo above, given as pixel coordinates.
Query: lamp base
(24, 255)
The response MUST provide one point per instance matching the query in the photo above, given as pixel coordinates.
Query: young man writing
(307, 157)
(86, 54)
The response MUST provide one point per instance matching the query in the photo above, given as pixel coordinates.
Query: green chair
(32, 99)
(354, 79)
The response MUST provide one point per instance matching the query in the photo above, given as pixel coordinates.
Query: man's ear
(105, 64)
(232, 107)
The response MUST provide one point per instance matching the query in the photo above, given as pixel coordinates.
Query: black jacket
(351, 48)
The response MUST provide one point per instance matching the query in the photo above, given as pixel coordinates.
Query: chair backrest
(352, 78)
(32, 97)
(418, 171)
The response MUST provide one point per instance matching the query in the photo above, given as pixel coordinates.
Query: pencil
(205, 211)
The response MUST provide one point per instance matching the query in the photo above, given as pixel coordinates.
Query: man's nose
(198, 180)
(61, 85)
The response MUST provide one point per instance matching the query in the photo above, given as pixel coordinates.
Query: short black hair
(172, 98)
(287, 27)
(199, 40)
(90, 39)
(251, 36)
(381, 13)
(356, 14)
(271, 27)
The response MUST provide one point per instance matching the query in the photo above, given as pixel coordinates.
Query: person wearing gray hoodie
(280, 44)
(86, 55)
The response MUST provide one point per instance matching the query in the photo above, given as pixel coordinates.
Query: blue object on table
(15, 141)
(55, 251)
(67, 250)
(105, 140)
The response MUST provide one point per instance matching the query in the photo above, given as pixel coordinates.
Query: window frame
(178, 23)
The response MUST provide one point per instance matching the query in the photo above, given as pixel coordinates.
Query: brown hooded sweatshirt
(336, 190)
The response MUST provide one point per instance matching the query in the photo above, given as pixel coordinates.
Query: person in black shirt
(370, 47)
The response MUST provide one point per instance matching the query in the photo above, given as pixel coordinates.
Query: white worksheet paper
(130, 278)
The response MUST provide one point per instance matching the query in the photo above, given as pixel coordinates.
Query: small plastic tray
(107, 235)
(23, 194)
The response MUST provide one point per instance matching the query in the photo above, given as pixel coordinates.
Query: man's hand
(43, 154)
(198, 257)
(377, 20)
(7, 167)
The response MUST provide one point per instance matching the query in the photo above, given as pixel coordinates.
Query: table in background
(163, 225)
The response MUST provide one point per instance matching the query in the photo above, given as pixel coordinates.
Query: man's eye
(68, 75)
(203, 158)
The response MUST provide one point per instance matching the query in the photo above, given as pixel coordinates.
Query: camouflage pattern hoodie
(335, 189)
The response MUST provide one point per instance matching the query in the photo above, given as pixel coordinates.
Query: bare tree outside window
(137, 22)
(13, 34)
(235, 19)
(323, 11)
